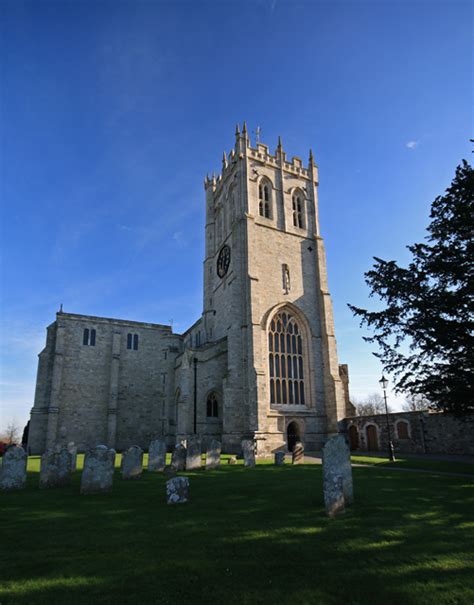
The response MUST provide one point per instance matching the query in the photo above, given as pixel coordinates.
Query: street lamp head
(383, 382)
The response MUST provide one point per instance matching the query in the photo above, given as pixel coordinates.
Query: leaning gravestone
(213, 454)
(193, 453)
(333, 494)
(157, 455)
(279, 458)
(98, 473)
(55, 469)
(72, 449)
(298, 453)
(132, 463)
(177, 490)
(178, 458)
(13, 468)
(337, 460)
(248, 449)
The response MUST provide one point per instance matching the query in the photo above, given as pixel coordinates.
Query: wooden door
(372, 440)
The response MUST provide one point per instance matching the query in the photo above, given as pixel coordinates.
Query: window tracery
(285, 352)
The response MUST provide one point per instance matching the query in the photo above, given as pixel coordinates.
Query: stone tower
(266, 293)
(260, 362)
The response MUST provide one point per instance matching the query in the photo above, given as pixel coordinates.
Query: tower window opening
(212, 406)
(298, 211)
(264, 200)
(285, 353)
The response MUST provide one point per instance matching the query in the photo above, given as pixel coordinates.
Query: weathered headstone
(72, 449)
(177, 490)
(193, 453)
(248, 450)
(279, 458)
(213, 454)
(178, 458)
(132, 463)
(333, 494)
(55, 469)
(98, 473)
(232, 460)
(337, 460)
(157, 455)
(13, 468)
(298, 453)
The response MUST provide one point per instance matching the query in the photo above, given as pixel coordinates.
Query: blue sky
(113, 112)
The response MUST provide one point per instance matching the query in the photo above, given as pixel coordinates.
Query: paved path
(315, 458)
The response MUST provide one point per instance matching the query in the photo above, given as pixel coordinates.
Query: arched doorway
(354, 437)
(372, 439)
(293, 435)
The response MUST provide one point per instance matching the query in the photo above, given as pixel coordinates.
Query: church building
(261, 361)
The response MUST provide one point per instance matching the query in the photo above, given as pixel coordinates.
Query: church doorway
(372, 440)
(353, 438)
(293, 435)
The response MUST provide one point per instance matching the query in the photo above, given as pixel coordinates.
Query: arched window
(298, 209)
(212, 406)
(285, 352)
(264, 199)
(402, 430)
(88, 337)
(132, 341)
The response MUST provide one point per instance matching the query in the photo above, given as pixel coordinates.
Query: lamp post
(391, 452)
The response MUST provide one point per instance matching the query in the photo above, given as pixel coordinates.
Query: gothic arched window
(285, 358)
(212, 406)
(264, 199)
(298, 209)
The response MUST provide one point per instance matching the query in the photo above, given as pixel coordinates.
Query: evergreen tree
(425, 333)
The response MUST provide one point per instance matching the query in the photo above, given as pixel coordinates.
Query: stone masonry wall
(428, 433)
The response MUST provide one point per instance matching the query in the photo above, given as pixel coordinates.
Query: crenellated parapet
(262, 155)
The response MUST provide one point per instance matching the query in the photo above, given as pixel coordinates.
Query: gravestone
(337, 460)
(248, 450)
(132, 463)
(13, 468)
(193, 453)
(213, 454)
(72, 449)
(279, 458)
(157, 455)
(298, 453)
(178, 458)
(232, 460)
(55, 469)
(98, 473)
(333, 494)
(177, 490)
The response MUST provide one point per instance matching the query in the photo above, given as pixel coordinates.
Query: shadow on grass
(246, 536)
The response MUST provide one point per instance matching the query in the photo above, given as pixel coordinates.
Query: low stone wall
(413, 433)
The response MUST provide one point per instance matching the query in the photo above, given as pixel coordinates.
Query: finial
(244, 129)
(279, 142)
(311, 159)
(224, 160)
(61, 308)
(237, 130)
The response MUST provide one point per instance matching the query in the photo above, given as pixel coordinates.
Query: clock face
(223, 261)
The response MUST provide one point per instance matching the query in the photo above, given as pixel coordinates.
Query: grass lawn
(247, 536)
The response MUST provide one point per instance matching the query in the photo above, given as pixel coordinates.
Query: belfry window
(264, 199)
(212, 406)
(298, 210)
(88, 337)
(285, 353)
(132, 341)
